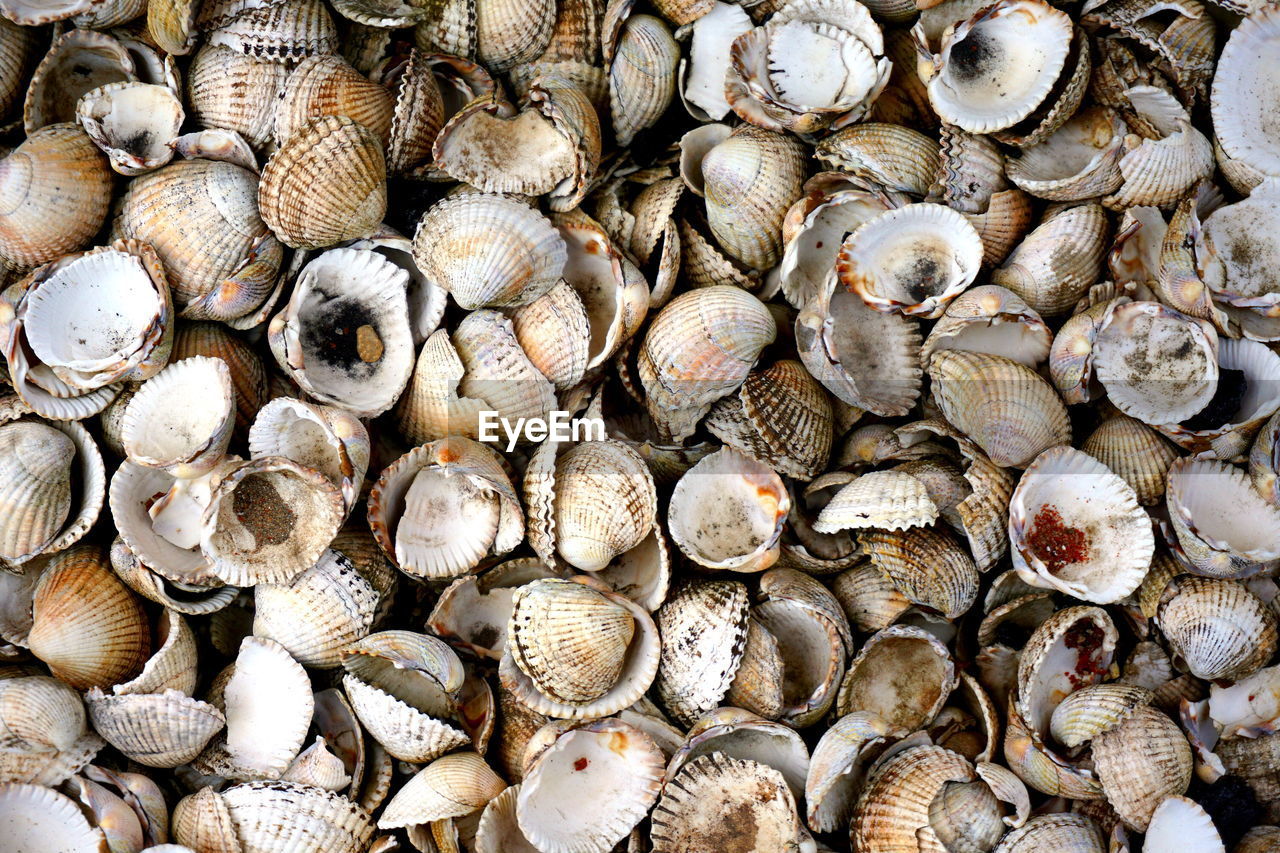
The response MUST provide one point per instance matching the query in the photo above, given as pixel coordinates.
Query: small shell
(1135, 452)
(39, 818)
(739, 530)
(901, 678)
(39, 713)
(1046, 273)
(229, 90)
(1090, 711)
(888, 500)
(914, 259)
(1160, 171)
(1140, 762)
(326, 184)
(489, 250)
(54, 191)
(452, 786)
(1069, 650)
(895, 804)
(869, 598)
(1075, 526)
(344, 336)
(606, 759)
(78, 62)
(268, 816)
(993, 320)
(268, 705)
(709, 618)
(702, 75)
(1080, 160)
(1068, 833)
(837, 769)
(326, 85)
(156, 730)
(1005, 407)
(1224, 526)
(487, 144)
(898, 158)
(1179, 823)
(133, 124)
(325, 439)
(276, 32)
(269, 520)
(35, 489)
(181, 419)
(928, 565)
(1218, 628)
(642, 76)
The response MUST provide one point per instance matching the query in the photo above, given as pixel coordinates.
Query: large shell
(1140, 762)
(156, 729)
(226, 89)
(54, 191)
(344, 337)
(901, 678)
(1081, 160)
(1244, 99)
(38, 818)
(928, 565)
(326, 85)
(35, 489)
(1135, 452)
(642, 76)
(451, 786)
(1004, 406)
(1075, 526)
(326, 184)
(894, 808)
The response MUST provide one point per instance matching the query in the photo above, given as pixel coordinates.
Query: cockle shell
(1217, 628)
(225, 89)
(709, 617)
(1043, 272)
(181, 419)
(1243, 100)
(326, 85)
(1218, 541)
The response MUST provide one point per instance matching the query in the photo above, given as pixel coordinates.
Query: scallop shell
(489, 250)
(838, 769)
(225, 89)
(1224, 527)
(1217, 628)
(898, 704)
(1135, 452)
(36, 488)
(286, 816)
(1141, 762)
(338, 166)
(1003, 406)
(275, 32)
(133, 123)
(326, 85)
(1048, 275)
(39, 714)
(898, 158)
(451, 786)
(895, 804)
(488, 144)
(322, 438)
(642, 76)
(888, 500)
(78, 62)
(927, 565)
(1243, 100)
(1160, 171)
(710, 619)
(156, 730)
(1180, 821)
(1080, 160)
(37, 817)
(1071, 832)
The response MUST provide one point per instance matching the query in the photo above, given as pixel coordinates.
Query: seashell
(739, 530)
(319, 612)
(133, 123)
(1003, 406)
(865, 358)
(876, 684)
(1044, 272)
(201, 217)
(702, 75)
(1076, 526)
(606, 757)
(1161, 170)
(1241, 102)
(326, 85)
(1069, 650)
(499, 828)
(765, 85)
(1218, 541)
(87, 627)
(55, 188)
(869, 598)
(285, 815)
(489, 250)
(1134, 452)
(1024, 43)
(340, 163)
(268, 709)
(1258, 839)
(344, 336)
(698, 349)
(426, 298)
(276, 32)
(782, 400)
(927, 565)
(888, 500)
(838, 769)
(642, 76)
(486, 144)
(898, 158)
(1247, 708)
(711, 618)
(914, 259)
(319, 767)
(37, 816)
(1080, 160)
(1231, 245)
(1141, 762)
(418, 113)
(421, 494)
(810, 656)
(474, 615)
(78, 62)
(405, 689)
(37, 491)
(751, 178)
(1090, 711)
(1076, 833)
(1264, 461)
(39, 714)
(696, 806)
(895, 803)
(497, 374)
(451, 786)
(1217, 628)
(322, 438)
(1179, 821)
(156, 730)
(187, 439)
(226, 89)
(993, 320)
(172, 665)
(971, 172)
(268, 520)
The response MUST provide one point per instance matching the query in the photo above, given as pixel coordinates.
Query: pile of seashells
(934, 350)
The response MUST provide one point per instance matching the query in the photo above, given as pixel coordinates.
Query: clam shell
(317, 766)
(1160, 171)
(869, 598)
(1264, 461)
(322, 438)
(1243, 101)
(901, 678)
(1180, 821)
(1070, 833)
(695, 808)
(172, 666)
(39, 714)
(927, 565)
(1090, 711)
(133, 124)
(431, 406)
(993, 320)
(1135, 452)
(268, 706)
(642, 76)
(702, 83)
(474, 615)
(972, 170)
(1080, 160)
(405, 731)
(1224, 527)
(326, 184)
(838, 769)
(1069, 650)
(606, 758)
(1076, 526)
(326, 85)
(888, 500)
(78, 62)
(738, 531)
(489, 250)
(452, 786)
(181, 419)
(285, 817)
(276, 32)
(269, 520)
(491, 146)
(54, 190)
(87, 627)
(37, 817)
(1003, 406)
(418, 114)
(1140, 763)
(1217, 628)
(895, 803)
(497, 373)
(162, 536)
(156, 730)
(709, 618)
(36, 491)
(499, 829)
(229, 90)
(914, 259)
(898, 158)
(813, 243)
(1048, 275)
(344, 336)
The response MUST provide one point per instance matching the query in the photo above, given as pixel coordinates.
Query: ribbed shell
(406, 732)
(1056, 263)
(489, 250)
(39, 713)
(35, 487)
(38, 818)
(418, 115)
(285, 817)
(87, 627)
(452, 786)
(1135, 452)
(328, 86)
(1005, 407)
(605, 503)
(1224, 527)
(55, 189)
(156, 730)
(1243, 100)
(642, 76)
(509, 32)
(704, 630)
(886, 500)
(894, 805)
(901, 677)
(278, 32)
(927, 565)
(326, 184)
(751, 179)
(972, 170)
(555, 334)
(1092, 710)
(229, 90)
(181, 419)
(486, 146)
(1218, 628)
(868, 597)
(1065, 833)
(896, 157)
(1140, 763)
(201, 217)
